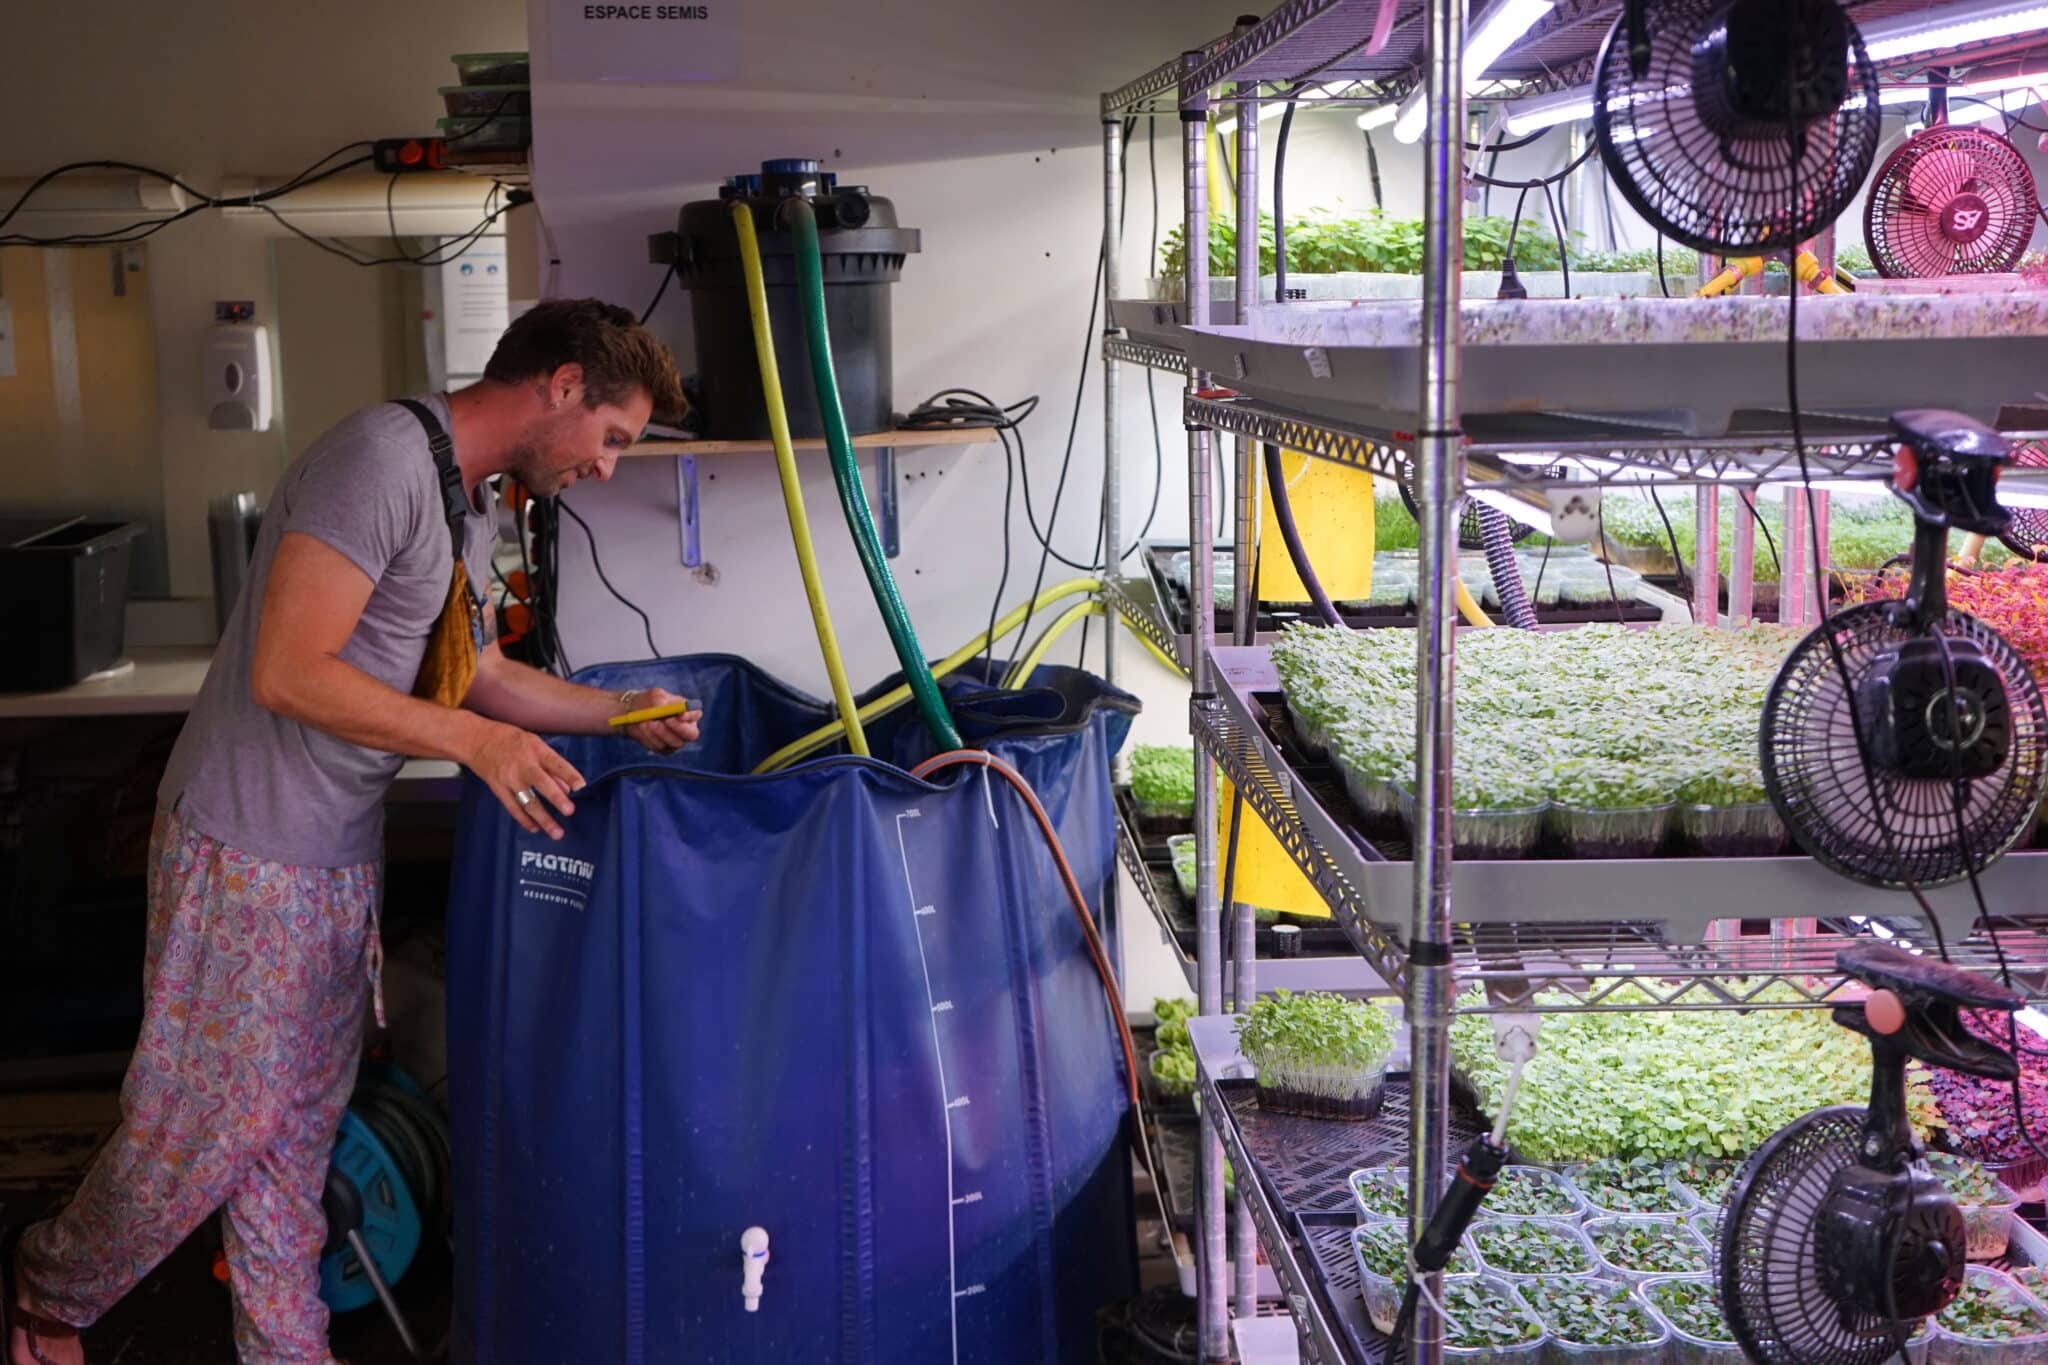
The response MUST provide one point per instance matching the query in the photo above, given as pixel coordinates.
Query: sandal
(12, 1315)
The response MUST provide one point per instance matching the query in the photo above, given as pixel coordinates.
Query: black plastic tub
(64, 607)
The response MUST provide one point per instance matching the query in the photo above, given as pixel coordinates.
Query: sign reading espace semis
(645, 42)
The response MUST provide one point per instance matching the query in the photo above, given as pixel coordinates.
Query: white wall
(235, 87)
(985, 132)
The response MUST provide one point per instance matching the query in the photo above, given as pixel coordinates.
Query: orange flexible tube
(976, 758)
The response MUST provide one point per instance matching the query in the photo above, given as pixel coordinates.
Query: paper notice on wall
(475, 307)
(644, 42)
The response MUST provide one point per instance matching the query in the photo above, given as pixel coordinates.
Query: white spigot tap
(753, 1260)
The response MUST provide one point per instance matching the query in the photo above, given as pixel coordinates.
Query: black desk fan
(1945, 710)
(1901, 742)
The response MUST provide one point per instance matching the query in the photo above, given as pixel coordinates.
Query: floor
(180, 1314)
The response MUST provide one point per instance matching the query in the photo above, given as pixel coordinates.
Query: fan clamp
(1838, 1236)
(1934, 707)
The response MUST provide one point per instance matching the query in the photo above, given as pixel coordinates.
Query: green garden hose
(853, 498)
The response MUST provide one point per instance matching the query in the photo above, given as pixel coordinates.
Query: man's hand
(514, 763)
(661, 736)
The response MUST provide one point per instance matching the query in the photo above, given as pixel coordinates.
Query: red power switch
(398, 155)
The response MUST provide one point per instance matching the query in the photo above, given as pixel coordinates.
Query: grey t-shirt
(275, 788)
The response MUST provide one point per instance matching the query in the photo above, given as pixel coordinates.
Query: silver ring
(524, 798)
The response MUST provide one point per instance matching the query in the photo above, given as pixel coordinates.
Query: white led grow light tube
(1886, 40)
(1492, 36)
(1377, 118)
(1950, 26)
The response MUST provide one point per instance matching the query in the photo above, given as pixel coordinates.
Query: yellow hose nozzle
(645, 714)
(1747, 268)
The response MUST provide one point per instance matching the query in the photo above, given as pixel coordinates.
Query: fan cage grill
(1921, 182)
(1740, 190)
(1768, 1267)
(1815, 775)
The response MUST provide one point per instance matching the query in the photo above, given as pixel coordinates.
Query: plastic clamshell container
(1676, 1201)
(1569, 1206)
(1701, 1256)
(1484, 1229)
(1951, 1348)
(1382, 1293)
(1307, 733)
(1376, 800)
(1753, 830)
(1349, 1094)
(1683, 1348)
(1379, 1179)
(1622, 832)
(1484, 834)
(1989, 1225)
(2027, 1178)
(1163, 810)
(1165, 1087)
(1183, 872)
(1494, 1289)
(493, 68)
(486, 101)
(506, 132)
(1706, 1223)
(1699, 1198)
(1565, 1351)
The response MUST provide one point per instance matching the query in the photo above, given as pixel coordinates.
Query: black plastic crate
(64, 608)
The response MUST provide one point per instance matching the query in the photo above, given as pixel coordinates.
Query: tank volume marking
(970, 1291)
(971, 1197)
(918, 913)
(943, 1007)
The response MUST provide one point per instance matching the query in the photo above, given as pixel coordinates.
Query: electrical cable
(1554, 178)
(1372, 170)
(646, 624)
(1097, 954)
(655, 302)
(1290, 535)
(1660, 267)
(1564, 252)
(742, 216)
(1280, 206)
(145, 228)
(1677, 559)
(1608, 564)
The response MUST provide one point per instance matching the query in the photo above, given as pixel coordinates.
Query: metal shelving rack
(1399, 917)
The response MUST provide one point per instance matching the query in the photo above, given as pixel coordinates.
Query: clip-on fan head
(1737, 127)
(1946, 712)
(1932, 708)
(1837, 1234)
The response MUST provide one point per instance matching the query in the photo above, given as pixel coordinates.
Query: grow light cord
(1111, 995)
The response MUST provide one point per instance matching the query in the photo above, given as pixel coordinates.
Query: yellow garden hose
(1080, 611)
(827, 734)
(1469, 608)
(785, 466)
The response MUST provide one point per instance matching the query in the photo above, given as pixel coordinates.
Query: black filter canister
(863, 250)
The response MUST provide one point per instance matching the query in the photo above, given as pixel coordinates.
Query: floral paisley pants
(252, 1023)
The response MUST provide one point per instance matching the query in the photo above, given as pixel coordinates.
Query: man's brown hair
(617, 354)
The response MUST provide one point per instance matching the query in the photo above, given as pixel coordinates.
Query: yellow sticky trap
(1266, 876)
(1333, 510)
